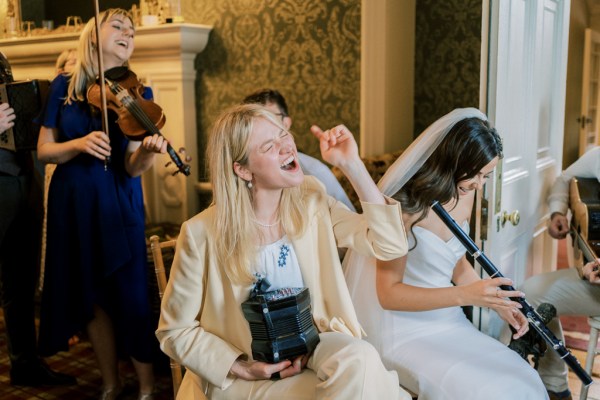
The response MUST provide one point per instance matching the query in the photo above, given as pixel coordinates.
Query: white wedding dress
(438, 354)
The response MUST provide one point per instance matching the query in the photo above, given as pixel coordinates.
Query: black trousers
(20, 238)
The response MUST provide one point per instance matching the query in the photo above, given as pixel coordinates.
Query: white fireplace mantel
(164, 59)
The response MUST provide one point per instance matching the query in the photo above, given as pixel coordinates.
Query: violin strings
(135, 109)
(138, 113)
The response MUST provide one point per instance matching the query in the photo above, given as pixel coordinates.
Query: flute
(534, 319)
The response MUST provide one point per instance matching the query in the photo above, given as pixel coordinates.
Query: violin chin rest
(117, 73)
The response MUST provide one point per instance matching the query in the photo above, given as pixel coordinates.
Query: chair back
(157, 247)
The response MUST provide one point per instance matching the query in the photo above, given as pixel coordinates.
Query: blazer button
(323, 323)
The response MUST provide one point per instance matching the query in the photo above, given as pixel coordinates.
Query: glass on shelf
(13, 27)
(27, 27)
(48, 24)
(74, 23)
(174, 7)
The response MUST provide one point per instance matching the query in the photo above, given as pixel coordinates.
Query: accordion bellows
(27, 98)
(281, 324)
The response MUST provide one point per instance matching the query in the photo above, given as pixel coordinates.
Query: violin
(138, 117)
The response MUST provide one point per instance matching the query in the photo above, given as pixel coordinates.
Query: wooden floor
(575, 383)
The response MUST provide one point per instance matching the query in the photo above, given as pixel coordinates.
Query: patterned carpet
(577, 332)
(81, 363)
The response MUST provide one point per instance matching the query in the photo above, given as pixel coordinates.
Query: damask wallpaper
(309, 50)
(447, 58)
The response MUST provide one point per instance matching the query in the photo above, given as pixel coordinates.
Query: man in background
(573, 291)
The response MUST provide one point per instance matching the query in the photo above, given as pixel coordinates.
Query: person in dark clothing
(20, 228)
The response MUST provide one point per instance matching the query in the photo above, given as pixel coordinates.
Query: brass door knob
(514, 218)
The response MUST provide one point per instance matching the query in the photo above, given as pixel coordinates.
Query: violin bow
(104, 108)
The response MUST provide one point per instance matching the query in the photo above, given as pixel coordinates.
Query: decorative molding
(151, 42)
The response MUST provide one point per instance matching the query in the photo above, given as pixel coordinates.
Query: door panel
(588, 124)
(526, 92)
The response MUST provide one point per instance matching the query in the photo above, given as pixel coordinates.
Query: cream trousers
(342, 367)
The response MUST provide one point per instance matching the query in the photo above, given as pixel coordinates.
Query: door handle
(583, 120)
(484, 219)
(513, 217)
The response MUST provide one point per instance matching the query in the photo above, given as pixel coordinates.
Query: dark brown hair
(469, 146)
(266, 96)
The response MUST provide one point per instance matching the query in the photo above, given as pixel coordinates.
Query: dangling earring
(249, 184)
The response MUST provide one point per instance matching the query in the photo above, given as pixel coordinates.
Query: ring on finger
(497, 292)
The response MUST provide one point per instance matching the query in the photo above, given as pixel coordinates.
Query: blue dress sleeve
(147, 95)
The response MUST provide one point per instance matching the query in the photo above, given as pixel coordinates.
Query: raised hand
(337, 144)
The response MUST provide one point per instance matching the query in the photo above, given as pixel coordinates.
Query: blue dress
(96, 249)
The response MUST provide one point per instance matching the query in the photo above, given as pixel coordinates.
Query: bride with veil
(410, 307)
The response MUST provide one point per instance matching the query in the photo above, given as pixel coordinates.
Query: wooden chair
(591, 351)
(156, 246)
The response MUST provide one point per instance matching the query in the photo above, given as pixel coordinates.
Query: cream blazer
(201, 323)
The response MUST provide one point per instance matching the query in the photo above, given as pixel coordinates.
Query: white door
(588, 119)
(526, 79)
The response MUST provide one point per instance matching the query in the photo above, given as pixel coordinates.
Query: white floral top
(278, 263)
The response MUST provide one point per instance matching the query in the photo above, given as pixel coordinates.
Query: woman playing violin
(95, 277)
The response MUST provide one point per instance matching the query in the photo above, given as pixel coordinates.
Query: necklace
(266, 225)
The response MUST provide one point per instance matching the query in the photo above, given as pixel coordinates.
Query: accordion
(281, 324)
(27, 99)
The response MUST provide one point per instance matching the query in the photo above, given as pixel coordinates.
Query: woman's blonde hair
(86, 67)
(237, 247)
(63, 58)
